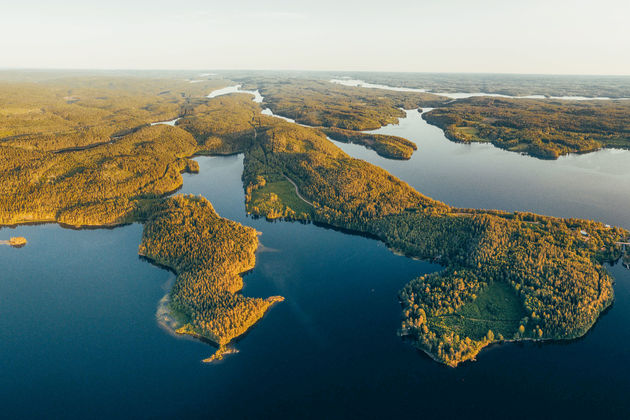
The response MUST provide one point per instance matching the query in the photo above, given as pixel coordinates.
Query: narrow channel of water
(169, 122)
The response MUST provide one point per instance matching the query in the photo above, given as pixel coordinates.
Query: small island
(15, 242)
(220, 354)
(391, 147)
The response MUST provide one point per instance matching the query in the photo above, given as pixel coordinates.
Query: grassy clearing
(468, 134)
(277, 199)
(497, 308)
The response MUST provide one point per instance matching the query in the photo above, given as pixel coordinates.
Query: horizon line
(87, 69)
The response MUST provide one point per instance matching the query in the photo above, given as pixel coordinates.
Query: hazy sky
(572, 37)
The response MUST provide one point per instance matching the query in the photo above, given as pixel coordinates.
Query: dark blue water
(78, 336)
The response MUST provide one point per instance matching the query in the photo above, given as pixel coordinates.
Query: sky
(485, 36)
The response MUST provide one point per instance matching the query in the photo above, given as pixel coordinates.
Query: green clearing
(497, 308)
(277, 198)
(469, 134)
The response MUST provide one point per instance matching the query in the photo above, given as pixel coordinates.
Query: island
(391, 147)
(15, 242)
(92, 158)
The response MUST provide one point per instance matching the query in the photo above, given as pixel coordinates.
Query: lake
(79, 337)
(462, 95)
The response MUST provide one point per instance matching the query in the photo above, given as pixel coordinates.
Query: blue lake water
(79, 338)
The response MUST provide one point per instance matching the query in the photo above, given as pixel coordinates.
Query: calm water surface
(592, 186)
(78, 336)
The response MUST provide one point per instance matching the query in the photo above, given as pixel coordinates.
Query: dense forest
(320, 103)
(542, 128)
(223, 125)
(98, 186)
(506, 275)
(71, 113)
(48, 179)
(208, 253)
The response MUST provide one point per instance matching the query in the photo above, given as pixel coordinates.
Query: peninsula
(208, 253)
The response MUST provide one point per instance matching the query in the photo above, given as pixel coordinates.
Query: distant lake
(462, 95)
(78, 335)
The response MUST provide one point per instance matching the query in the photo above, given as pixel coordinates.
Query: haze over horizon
(563, 37)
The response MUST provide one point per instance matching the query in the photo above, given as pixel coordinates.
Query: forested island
(84, 153)
(392, 147)
(15, 242)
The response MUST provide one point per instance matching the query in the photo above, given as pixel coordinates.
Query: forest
(507, 276)
(543, 128)
(47, 179)
(208, 253)
(391, 147)
(320, 103)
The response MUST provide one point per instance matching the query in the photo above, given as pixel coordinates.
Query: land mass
(551, 276)
(391, 147)
(208, 253)
(542, 128)
(502, 84)
(15, 242)
(506, 275)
